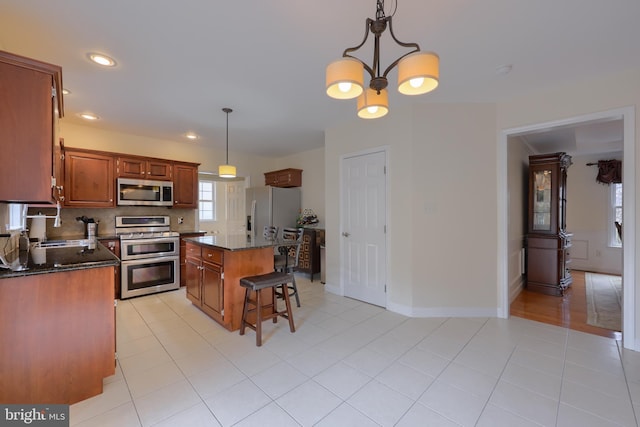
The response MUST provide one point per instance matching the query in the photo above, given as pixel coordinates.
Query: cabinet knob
(346, 234)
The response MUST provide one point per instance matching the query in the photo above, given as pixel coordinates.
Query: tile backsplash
(72, 228)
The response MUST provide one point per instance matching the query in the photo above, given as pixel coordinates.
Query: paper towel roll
(38, 229)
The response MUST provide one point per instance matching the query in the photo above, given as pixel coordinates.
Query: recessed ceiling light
(89, 116)
(102, 59)
(66, 91)
(191, 135)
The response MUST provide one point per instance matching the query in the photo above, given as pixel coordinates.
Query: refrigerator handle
(253, 218)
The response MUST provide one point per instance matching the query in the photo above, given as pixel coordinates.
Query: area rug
(604, 300)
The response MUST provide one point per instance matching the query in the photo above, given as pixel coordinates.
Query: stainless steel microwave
(143, 192)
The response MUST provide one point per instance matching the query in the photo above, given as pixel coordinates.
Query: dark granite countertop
(237, 242)
(57, 259)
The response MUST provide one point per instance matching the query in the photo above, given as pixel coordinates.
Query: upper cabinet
(143, 168)
(284, 178)
(88, 179)
(30, 106)
(185, 185)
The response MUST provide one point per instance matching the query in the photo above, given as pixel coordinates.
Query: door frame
(343, 157)
(628, 212)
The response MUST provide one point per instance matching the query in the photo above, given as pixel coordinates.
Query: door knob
(345, 234)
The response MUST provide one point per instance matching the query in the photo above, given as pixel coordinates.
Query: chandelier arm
(348, 50)
(403, 44)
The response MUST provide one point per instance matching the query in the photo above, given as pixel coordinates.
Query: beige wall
(588, 218)
(582, 99)
(90, 137)
(518, 179)
(313, 172)
(443, 232)
(442, 206)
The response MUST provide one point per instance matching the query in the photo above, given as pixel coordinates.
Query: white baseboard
(442, 311)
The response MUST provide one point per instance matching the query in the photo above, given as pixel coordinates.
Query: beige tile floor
(353, 364)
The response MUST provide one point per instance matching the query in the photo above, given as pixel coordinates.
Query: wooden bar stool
(256, 284)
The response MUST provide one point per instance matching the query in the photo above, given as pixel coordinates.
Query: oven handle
(149, 260)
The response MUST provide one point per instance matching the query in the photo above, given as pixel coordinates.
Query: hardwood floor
(569, 310)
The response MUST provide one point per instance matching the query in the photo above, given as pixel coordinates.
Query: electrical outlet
(180, 220)
(598, 253)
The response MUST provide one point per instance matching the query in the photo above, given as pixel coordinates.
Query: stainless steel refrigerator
(271, 206)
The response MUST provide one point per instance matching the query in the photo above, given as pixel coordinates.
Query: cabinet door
(193, 278)
(212, 288)
(185, 186)
(114, 246)
(157, 169)
(131, 167)
(88, 180)
(26, 129)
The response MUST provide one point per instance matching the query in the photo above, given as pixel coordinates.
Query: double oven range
(149, 253)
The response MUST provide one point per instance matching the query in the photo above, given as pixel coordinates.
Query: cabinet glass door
(542, 200)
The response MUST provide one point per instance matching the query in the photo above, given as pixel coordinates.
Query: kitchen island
(57, 324)
(214, 266)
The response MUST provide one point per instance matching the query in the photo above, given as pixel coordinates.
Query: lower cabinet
(204, 279)
(114, 246)
(213, 274)
(183, 255)
(57, 336)
(548, 260)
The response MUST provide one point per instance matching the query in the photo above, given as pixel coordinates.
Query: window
(207, 200)
(615, 215)
(15, 216)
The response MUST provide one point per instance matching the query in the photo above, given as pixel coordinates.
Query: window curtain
(609, 172)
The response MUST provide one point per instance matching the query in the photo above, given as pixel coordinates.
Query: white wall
(444, 158)
(442, 206)
(313, 172)
(587, 218)
(518, 179)
(582, 99)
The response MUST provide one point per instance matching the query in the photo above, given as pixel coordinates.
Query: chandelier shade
(418, 73)
(345, 78)
(373, 105)
(227, 170)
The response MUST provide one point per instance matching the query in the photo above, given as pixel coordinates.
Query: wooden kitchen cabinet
(57, 336)
(185, 185)
(183, 254)
(213, 280)
(284, 178)
(143, 168)
(114, 246)
(548, 243)
(204, 279)
(30, 106)
(88, 179)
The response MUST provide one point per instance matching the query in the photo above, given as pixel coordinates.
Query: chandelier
(417, 71)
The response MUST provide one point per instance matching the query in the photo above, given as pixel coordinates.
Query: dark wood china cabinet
(548, 242)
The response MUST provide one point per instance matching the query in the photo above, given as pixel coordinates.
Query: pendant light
(418, 71)
(227, 170)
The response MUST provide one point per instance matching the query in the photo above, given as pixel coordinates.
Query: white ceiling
(181, 62)
(602, 137)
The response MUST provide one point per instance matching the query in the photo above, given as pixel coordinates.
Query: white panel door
(363, 218)
(236, 218)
